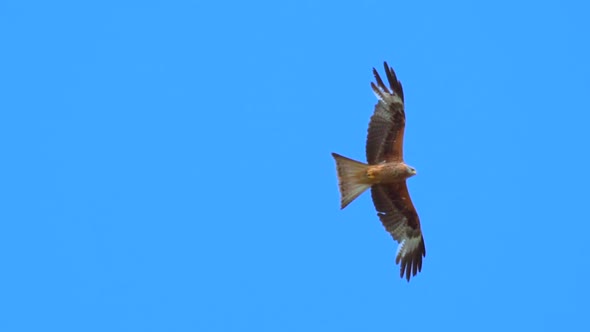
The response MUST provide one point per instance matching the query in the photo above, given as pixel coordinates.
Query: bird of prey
(386, 173)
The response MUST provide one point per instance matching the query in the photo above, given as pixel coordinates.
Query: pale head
(410, 170)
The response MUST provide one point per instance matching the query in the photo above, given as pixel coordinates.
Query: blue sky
(166, 165)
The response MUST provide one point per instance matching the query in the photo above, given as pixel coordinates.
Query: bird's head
(411, 171)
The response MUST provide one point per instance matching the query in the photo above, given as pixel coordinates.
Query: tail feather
(351, 178)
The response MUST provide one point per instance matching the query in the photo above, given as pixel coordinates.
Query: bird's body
(389, 173)
(386, 174)
(352, 172)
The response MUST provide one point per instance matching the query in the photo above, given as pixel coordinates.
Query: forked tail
(351, 178)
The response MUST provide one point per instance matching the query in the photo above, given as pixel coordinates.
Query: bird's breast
(386, 173)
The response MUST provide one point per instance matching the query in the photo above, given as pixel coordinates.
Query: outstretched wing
(386, 128)
(398, 215)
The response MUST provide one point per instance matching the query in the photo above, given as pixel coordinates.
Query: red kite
(386, 174)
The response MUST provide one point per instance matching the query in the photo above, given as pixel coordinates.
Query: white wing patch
(387, 98)
(407, 245)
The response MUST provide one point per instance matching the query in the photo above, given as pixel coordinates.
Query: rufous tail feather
(352, 179)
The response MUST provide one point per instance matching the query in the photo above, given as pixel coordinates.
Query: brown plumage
(386, 174)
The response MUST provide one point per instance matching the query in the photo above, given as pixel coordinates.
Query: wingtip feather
(409, 256)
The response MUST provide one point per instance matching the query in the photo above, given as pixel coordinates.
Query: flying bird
(386, 173)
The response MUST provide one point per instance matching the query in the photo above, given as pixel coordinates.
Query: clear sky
(166, 165)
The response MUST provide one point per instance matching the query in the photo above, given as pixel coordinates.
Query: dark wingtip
(394, 84)
(412, 263)
(381, 86)
(402, 269)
